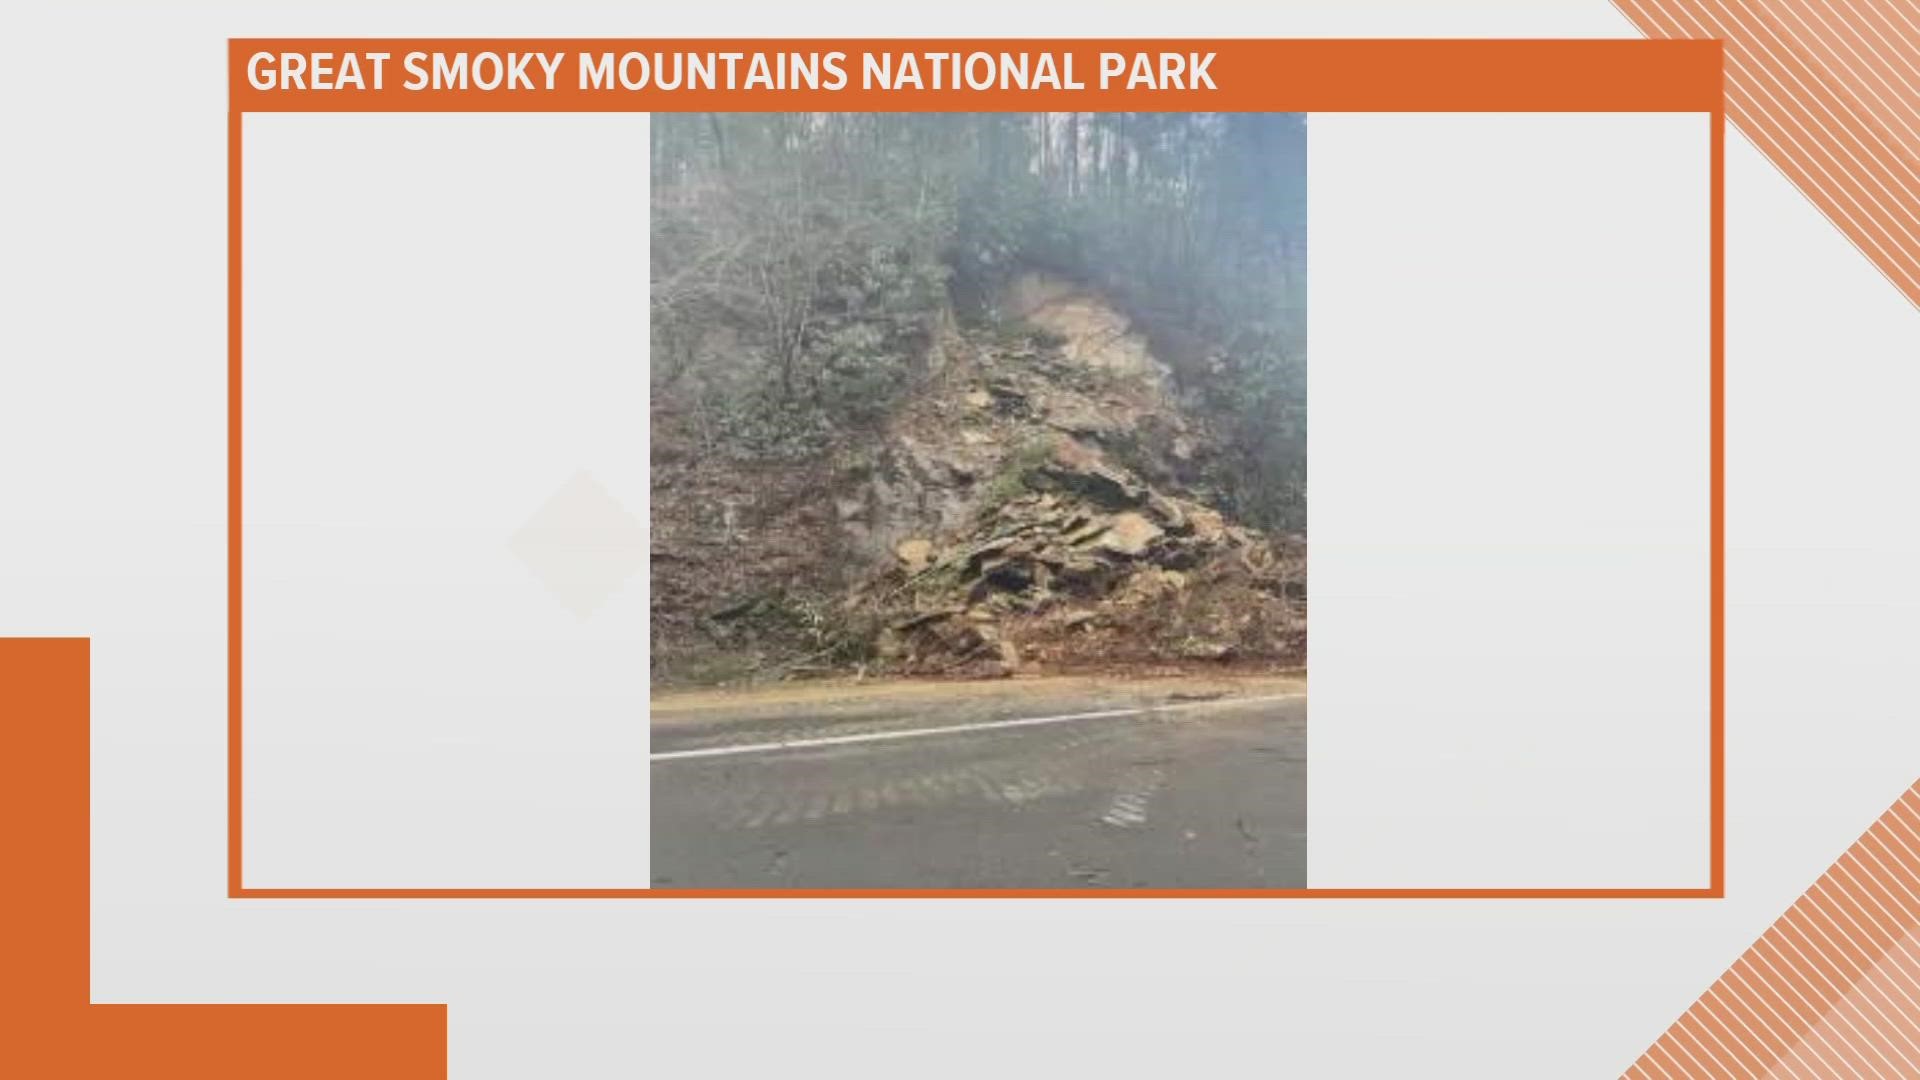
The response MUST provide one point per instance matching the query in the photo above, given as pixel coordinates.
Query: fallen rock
(1169, 512)
(978, 554)
(1203, 649)
(1207, 525)
(1087, 532)
(914, 553)
(1078, 418)
(1098, 483)
(1150, 585)
(1130, 534)
(1006, 575)
(1166, 580)
(1184, 556)
(1084, 575)
(1070, 558)
(1007, 397)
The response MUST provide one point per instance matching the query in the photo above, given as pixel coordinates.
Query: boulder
(914, 553)
(1129, 534)
(1168, 511)
(1084, 575)
(1100, 484)
(942, 641)
(1207, 525)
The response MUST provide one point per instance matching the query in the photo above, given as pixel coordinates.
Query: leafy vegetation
(1013, 479)
(804, 264)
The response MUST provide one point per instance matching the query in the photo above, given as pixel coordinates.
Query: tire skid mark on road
(1031, 787)
(1008, 783)
(1090, 796)
(1126, 811)
(1062, 762)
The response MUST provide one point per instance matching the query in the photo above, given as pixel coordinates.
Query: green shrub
(1016, 471)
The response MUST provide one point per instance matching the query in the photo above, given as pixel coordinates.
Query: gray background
(111, 524)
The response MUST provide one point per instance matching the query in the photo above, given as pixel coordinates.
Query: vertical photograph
(978, 450)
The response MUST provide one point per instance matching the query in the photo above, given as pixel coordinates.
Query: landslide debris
(1087, 566)
(1041, 501)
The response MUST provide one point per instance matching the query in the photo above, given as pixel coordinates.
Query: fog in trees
(807, 266)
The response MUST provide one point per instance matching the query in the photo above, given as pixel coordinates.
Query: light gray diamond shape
(582, 544)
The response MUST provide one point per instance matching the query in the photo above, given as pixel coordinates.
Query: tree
(802, 261)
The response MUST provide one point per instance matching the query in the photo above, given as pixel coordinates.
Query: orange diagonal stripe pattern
(1831, 989)
(1829, 90)
(47, 1026)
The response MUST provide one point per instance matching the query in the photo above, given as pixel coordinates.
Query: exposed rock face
(1041, 502)
(1086, 565)
(1092, 332)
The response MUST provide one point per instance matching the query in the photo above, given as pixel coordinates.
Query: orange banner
(672, 75)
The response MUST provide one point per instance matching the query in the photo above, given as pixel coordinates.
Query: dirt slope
(1040, 502)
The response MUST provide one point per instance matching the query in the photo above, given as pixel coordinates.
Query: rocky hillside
(1040, 501)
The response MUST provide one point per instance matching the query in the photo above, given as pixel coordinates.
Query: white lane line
(954, 729)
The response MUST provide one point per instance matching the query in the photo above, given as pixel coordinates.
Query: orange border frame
(52, 1027)
(1327, 75)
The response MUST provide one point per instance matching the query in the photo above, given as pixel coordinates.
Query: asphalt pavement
(1044, 784)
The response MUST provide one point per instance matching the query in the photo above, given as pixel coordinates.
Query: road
(1046, 784)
